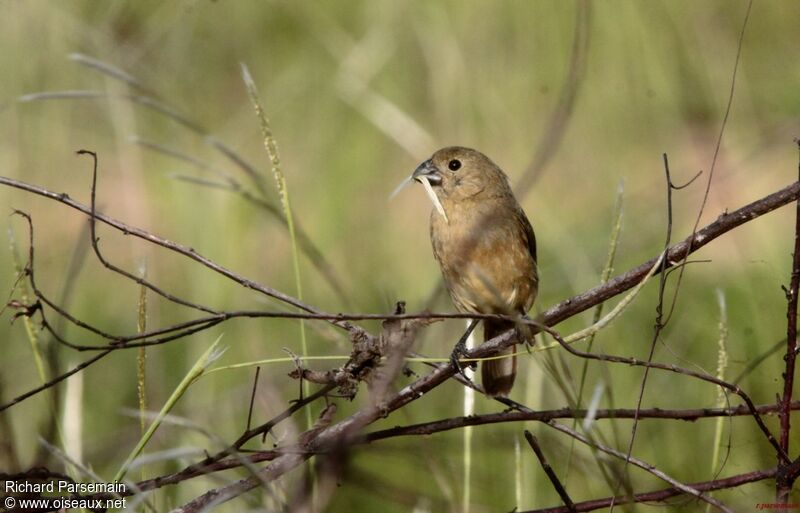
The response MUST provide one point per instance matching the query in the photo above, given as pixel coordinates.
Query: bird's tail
(497, 376)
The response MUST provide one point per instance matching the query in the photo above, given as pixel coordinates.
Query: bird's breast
(484, 257)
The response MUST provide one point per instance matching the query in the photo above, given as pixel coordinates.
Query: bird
(486, 249)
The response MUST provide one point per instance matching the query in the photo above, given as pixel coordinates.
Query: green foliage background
(358, 93)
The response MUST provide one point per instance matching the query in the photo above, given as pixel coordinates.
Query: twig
(140, 280)
(56, 380)
(177, 248)
(662, 495)
(252, 398)
(784, 481)
(642, 465)
(549, 471)
(552, 316)
(678, 252)
(679, 370)
(687, 415)
(660, 323)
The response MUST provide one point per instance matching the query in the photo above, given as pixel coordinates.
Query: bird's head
(456, 173)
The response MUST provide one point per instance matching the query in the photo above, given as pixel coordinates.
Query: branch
(551, 317)
(678, 252)
(782, 456)
(554, 315)
(662, 495)
(785, 480)
(562, 492)
(345, 431)
(688, 415)
(642, 465)
(175, 247)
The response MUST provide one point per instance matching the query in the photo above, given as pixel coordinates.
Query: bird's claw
(455, 358)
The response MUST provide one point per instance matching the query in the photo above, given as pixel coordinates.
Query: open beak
(428, 171)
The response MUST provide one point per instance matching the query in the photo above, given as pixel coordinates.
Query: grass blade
(197, 370)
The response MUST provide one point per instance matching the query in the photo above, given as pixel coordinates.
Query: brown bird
(485, 247)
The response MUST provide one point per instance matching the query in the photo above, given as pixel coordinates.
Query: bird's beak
(427, 174)
(428, 171)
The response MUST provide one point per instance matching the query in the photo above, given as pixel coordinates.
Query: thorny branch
(785, 479)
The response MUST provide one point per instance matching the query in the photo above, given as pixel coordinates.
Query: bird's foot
(455, 358)
(461, 350)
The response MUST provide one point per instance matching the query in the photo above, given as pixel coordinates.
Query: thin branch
(549, 471)
(679, 370)
(686, 415)
(553, 316)
(729, 104)
(642, 465)
(660, 323)
(678, 252)
(252, 399)
(785, 481)
(664, 494)
(177, 248)
(108, 265)
(56, 380)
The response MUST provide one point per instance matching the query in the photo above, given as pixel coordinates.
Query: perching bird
(485, 247)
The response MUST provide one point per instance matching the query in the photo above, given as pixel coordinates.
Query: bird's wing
(528, 233)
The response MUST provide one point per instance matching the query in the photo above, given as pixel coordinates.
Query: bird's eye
(454, 165)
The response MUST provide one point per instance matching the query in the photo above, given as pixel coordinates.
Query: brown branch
(782, 456)
(658, 326)
(647, 467)
(56, 380)
(560, 490)
(687, 415)
(346, 430)
(678, 252)
(108, 265)
(177, 248)
(232, 457)
(785, 480)
(664, 494)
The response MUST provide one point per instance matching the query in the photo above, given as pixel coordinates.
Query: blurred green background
(359, 92)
